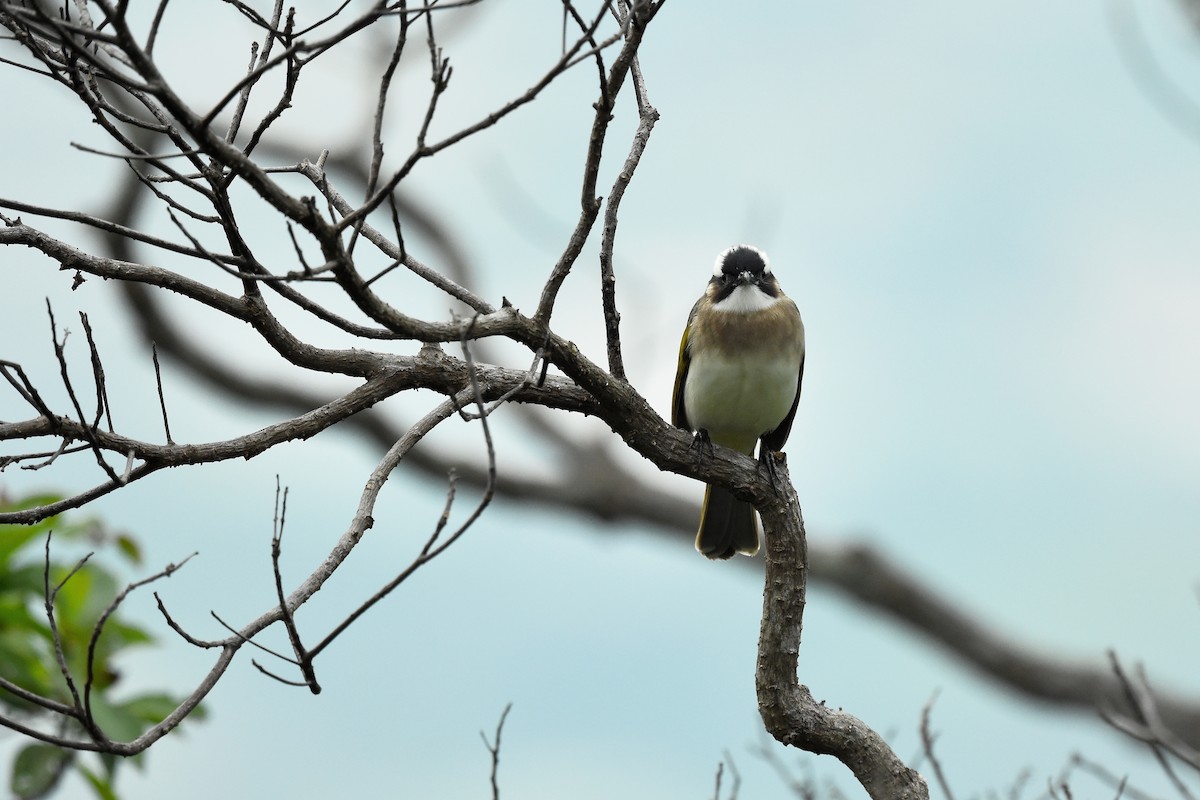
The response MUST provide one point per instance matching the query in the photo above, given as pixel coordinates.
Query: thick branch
(788, 710)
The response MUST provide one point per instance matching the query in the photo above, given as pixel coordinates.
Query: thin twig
(562, 65)
(32, 697)
(385, 84)
(24, 387)
(589, 203)
(736, 785)
(134, 156)
(103, 408)
(1100, 772)
(247, 640)
(289, 621)
(389, 463)
(98, 628)
(440, 71)
(155, 24)
(1147, 727)
(255, 60)
(175, 626)
(494, 748)
(388, 248)
(114, 229)
(50, 595)
(291, 80)
(158, 382)
(432, 548)
(927, 740)
(89, 431)
(283, 680)
(608, 279)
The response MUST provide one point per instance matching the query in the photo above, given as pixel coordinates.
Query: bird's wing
(774, 440)
(678, 413)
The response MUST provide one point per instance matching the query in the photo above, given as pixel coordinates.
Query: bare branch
(494, 749)
(256, 59)
(162, 403)
(245, 638)
(24, 387)
(48, 704)
(1120, 784)
(433, 548)
(50, 595)
(565, 62)
(590, 204)
(393, 318)
(431, 369)
(88, 432)
(736, 782)
(385, 85)
(98, 628)
(1145, 724)
(927, 740)
(100, 225)
(303, 657)
(103, 409)
(155, 24)
(788, 709)
(608, 279)
(201, 643)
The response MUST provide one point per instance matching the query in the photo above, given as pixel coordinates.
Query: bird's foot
(769, 458)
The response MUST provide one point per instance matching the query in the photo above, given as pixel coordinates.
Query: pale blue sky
(990, 231)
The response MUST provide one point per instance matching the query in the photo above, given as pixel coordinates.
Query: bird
(741, 365)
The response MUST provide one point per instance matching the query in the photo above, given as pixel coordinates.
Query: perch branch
(788, 709)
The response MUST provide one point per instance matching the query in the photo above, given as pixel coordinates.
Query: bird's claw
(768, 458)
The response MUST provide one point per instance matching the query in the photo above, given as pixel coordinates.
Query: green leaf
(27, 579)
(37, 769)
(14, 537)
(114, 720)
(121, 634)
(26, 662)
(154, 708)
(83, 598)
(129, 548)
(100, 785)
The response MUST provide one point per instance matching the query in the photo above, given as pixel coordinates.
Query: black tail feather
(727, 525)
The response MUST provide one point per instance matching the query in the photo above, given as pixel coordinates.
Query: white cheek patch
(745, 299)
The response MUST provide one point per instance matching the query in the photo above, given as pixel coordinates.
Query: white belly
(739, 399)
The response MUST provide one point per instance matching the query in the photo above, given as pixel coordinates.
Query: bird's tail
(727, 525)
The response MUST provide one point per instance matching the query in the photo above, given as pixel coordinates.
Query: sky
(985, 213)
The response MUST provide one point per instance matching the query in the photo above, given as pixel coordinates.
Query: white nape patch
(720, 262)
(745, 299)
